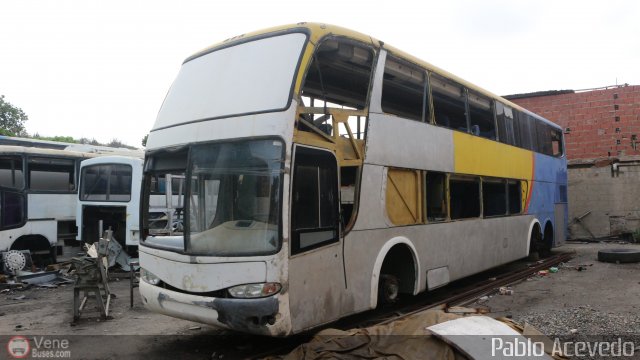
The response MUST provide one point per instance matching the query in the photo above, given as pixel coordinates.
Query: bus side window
(481, 114)
(494, 197)
(545, 138)
(11, 175)
(339, 75)
(436, 192)
(448, 103)
(52, 174)
(314, 204)
(11, 209)
(464, 195)
(504, 117)
(403, 90)
(556, 142)
(524, 129)
(514, 196)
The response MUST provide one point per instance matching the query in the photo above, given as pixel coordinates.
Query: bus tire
(388, 289)
(619, 255)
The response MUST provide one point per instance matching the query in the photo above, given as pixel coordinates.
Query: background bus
(110, 192)
(38, 189)
(347, 172)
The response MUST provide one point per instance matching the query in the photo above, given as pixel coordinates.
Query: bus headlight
(254, 290)
(149, 277)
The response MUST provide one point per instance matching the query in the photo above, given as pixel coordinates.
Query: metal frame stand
(93, 280)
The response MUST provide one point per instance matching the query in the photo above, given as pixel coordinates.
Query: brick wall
(599, 123)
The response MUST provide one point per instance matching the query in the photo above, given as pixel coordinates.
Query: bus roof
(13, 149)
(317, 31)
(112, 159)
(57, 145)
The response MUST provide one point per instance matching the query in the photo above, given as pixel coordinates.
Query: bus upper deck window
(448, 103)
(481, 114)
(556, 142)
(403, 90)
(340, 73)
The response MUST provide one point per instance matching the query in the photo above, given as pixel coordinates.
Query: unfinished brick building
(602, 130)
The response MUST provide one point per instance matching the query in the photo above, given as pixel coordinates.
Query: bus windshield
(232, 203)
(250, 77)
(106, 182)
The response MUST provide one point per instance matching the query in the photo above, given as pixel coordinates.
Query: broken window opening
(504, 118)
(556, 142)
(436, 193)
(340, 73)
(481, 116)
(314, 218)
(449, 103)
(348, 190)
(514, 194)
(339, 77)
(494, 197)
(464, 193)
(404, 90)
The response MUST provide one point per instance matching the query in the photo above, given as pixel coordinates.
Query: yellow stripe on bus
(478, 156)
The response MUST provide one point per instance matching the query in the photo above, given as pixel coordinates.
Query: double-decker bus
(331, 172)
(38, 193)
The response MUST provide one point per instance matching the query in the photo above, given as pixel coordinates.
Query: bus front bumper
(258, 316)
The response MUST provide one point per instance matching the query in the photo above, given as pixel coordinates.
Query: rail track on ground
(458, 293)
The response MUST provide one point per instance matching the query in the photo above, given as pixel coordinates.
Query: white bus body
(110, 192)
(38, 192)
(294, 218)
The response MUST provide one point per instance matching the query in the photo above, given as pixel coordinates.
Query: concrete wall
(611, 197)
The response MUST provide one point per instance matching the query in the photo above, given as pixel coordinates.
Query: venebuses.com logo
(40, 347)
(19, 347)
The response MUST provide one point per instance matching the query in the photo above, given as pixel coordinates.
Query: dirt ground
(602, 299)
(592, 301)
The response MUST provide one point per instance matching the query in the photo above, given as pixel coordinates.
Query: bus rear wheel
(388, 289)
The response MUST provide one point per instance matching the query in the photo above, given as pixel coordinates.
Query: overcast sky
(101, 69)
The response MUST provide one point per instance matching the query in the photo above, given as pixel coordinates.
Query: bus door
(316, 268)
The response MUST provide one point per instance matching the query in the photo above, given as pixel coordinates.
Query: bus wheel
(388, 289)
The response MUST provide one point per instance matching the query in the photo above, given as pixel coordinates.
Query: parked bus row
(39, 192)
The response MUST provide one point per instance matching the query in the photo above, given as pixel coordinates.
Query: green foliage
(144, 140)
(65, 139)
(12, 119)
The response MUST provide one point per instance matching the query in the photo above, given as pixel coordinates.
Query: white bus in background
(109, 196)
(109, 192)
(38, 193)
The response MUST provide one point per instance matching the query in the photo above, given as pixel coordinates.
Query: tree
(12, 119)
(144, 140)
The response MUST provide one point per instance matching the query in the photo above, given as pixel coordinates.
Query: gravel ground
(582, 320)
(601, 299)
(599, 304)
